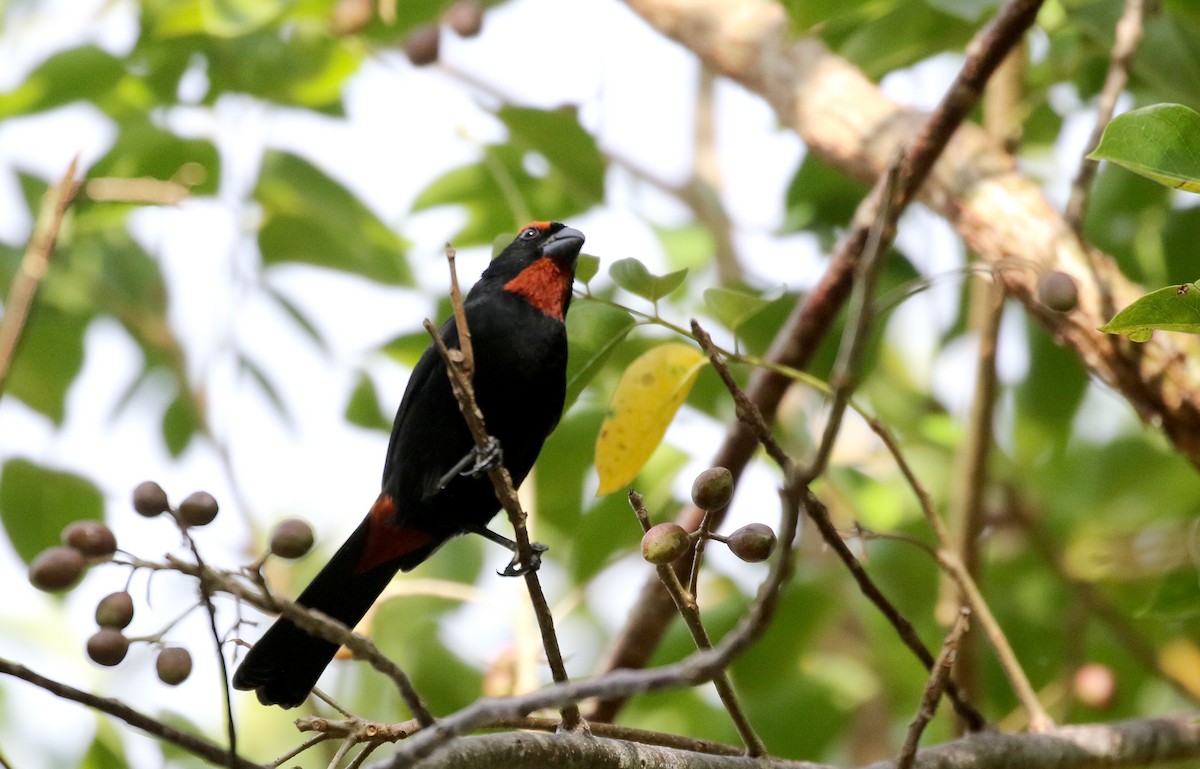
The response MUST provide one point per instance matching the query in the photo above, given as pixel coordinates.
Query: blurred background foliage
(1082, 501)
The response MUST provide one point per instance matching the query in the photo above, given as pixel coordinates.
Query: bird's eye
(529, 233)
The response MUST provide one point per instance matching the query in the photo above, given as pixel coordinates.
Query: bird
(434, 481)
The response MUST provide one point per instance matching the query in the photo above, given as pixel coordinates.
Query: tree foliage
(1065, 477)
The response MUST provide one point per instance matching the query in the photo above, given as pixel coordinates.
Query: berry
(712, 489)
(291, 538)
(1095, 685)
(56, 569)
(107, 646)
(115, 610)
(421, 47)
(198, 509)
(150, 500)
(752, 543)
(664, 543)
(90, 538)
(1057, 291)
(464, 17)
(174, 665)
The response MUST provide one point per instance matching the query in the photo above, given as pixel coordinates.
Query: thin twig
(506, 493)
(803, 332)
(748, 412)
(194, 744)
(211, 610)
(312, 621)
(972, 466)
(460, 317)
(33, 267)
(685, 603)
(859, 316)
(933, 690)
(1039, 719)
(699, 667)
(1128, 35)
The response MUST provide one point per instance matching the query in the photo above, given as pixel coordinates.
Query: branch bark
(1124, 744)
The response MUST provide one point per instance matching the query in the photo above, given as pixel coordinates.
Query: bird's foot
(517, 569)
(477, 462)
(514, 568)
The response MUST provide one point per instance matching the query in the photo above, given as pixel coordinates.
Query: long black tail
(286, 662)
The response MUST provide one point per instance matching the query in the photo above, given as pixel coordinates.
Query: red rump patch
(385, 540)
(545, 284)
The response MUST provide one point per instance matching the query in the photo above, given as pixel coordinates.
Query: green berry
(664, 543)
(712, 489)
(752, 543)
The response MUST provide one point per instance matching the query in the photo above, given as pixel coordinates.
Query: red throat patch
(545, 284)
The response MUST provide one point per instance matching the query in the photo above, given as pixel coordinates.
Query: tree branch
(1123, 744)
(811, 89)
(33, 267)
(211, 752)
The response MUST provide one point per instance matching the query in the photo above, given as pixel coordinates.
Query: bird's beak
(564, 244)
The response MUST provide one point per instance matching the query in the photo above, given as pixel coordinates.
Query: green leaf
(549, 168)
(363, 408)
(256, 373)
(311, 219)
(632, 275)
(37, 502)
(1174, 308)
(586, 268)
(144, 149)
(180, 423)
(48, 359)
(1160, 142)
(86, 73)
(1177, 596)
(733, 308)
(594, 330)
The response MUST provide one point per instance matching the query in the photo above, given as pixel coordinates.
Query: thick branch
(1124, 744)
(1001, 214)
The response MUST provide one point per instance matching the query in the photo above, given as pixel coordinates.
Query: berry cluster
(711, 491)
(87, 543)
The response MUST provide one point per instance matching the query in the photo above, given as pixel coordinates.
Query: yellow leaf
(650, 392)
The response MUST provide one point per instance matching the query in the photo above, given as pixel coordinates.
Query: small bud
(752, 543)
(198, 509)
(56, 569)
(465, 17)
(115, 610)
(1095, 686)
(664, 543)
(1057, 291)
(91, 538)
(421, 47)
(291, 538)
(107, 647)
(712, 489)
(150, 500)
(174, 665)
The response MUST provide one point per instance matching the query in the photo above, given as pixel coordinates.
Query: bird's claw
(487, 458)
(477, 462)
(517, 569)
